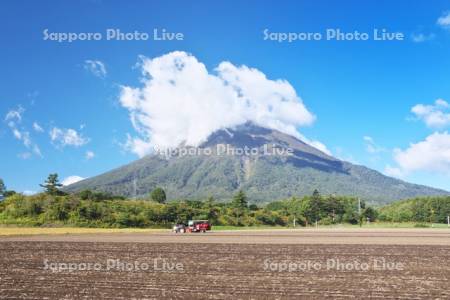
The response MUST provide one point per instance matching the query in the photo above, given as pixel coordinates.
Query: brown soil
(231, 265)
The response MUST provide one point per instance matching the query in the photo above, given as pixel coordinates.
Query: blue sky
(374, 101)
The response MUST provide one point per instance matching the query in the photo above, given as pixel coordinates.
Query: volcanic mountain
(267, 164)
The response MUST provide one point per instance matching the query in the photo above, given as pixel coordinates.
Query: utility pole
(359, 212)
(448, 221)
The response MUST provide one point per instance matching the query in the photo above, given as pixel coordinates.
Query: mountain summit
(267, 164)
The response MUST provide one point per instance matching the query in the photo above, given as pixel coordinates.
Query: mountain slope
(263, 177)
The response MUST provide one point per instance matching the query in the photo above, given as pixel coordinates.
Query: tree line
(421, 209)
(97, 209)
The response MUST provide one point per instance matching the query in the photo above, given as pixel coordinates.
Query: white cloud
(434, 116)
(14, 120)
(17, 134)
(442, 103)
(371, 146)
(138, 146)
(432, 154)
(67, 137)
(316, 144)
(36, 150)
(37, 127)
(180, 101)
(14, 116)
(71, 179)
(24, 155)
(444, 20)
(89, 155)
(393, 172)
(96, 67)
(422, 37)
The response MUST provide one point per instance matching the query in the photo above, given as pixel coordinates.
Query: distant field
(371, 225)
(70, 230)
(13, 230)
(390, 225)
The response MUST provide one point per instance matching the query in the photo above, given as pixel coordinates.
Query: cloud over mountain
(181, 101)
(71, 179)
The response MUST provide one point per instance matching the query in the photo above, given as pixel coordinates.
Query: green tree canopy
(240, 200)
(52, 185)
(2, 187)
(158, 195)
(316, 194)
(253, 207)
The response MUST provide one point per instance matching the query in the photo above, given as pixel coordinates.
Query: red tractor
(193, 226)
(198, 226)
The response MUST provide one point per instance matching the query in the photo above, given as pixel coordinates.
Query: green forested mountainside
(265, 178)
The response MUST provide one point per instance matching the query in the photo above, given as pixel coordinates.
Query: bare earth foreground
(277, 264)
